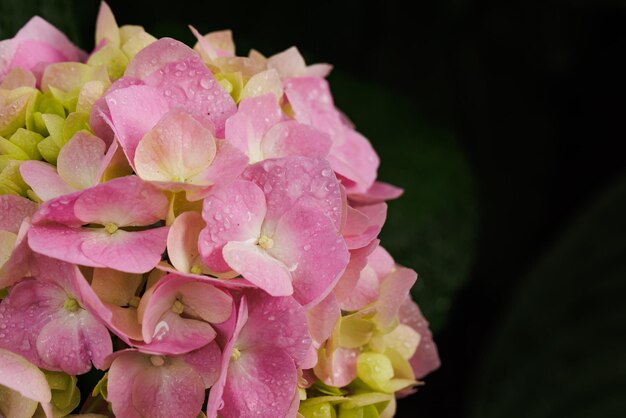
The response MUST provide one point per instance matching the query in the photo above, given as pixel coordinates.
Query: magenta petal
(261, 383)
(426, 358)
(206, 362)
(276, 322)
(232, 213)
(306, 239)
(44, 180)
(14, 209)
(259, 267)
(71, 341)
(134, 111)
(171, 390)
(293, 138)
(297, 180)
(17, 373)
(124, 201)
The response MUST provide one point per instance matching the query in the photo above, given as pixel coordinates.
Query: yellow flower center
(266, 242)
(111, 228)
(178, 307)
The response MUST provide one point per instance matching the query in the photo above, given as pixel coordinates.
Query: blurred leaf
(61, 13)
(560, 350)
(432, 227)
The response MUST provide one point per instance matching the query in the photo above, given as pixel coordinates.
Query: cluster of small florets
(199, 226)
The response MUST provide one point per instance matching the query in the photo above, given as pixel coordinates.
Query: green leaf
(560, 350)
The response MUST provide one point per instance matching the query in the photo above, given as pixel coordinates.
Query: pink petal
(122, 375)
(134, 111)
(288, 63)
(292, 138)
(306, 239)
(205, 301)
(364, 224)
(365, 292)
(228, 164)
(378, 192)
(224, 283)
(297, 180)
(232, 213)
(381, 261)
(115, 287)
(61, 242)
(80, 160)
(426, 358)
(254, 117)
(322, 319)
(174, 334)
(176, 149)
(395, 286)
(18, 374)
(124, 201)
(14, 209)
(171, 390)
(275, 322)
(72, 341)
(338, 368)
(258, 267)
(18, 264)
(206, 362)
(353, 157)
(268, 379)
(44, 180)
(157, 55)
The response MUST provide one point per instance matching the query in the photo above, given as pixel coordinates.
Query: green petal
(27, 141)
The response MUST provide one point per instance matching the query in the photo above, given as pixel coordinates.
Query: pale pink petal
(258, 267)
(426, 358)
(14, 209)
(72, 341)
(173, 389)
(232, 213)
(122, 374)
(19, 262)
(124, 201)
(310, 360)
(339, 368)
(106, 26)
(365, 292)
(216, 44)
(275, 322)
(225, 283)
(364, 224)
(134, 110)
(262, 83)
(18, 374)
(319, 70)
(293, 138)
(322, 319)
(7, 243)
(306, 240)
(18, 77)
(260, 383)
(395, 286)
(44, 180)
(206, 362)
(288, 63)
(381, 261)
(182, 241)
(176, 149)
(353, 157)
(254, 117)
(378, 192)
(80, 160)
(114, 286)
(206, 302)
(297, 180)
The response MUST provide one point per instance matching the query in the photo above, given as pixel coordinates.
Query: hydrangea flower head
(196, 228)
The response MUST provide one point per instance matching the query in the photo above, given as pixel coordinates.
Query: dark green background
(504, 122)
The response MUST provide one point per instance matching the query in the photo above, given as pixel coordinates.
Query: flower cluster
(198, 226)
